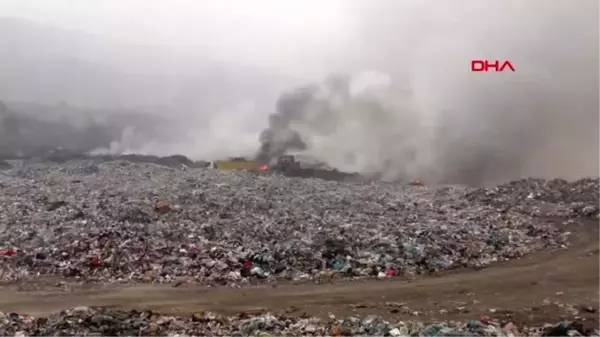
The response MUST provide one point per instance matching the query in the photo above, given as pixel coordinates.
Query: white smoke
(432, 118)
(230, 133)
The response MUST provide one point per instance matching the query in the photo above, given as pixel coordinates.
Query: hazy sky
(319, 36)
(300, 37)
(264, 31)
(540, 120)
(189, 22)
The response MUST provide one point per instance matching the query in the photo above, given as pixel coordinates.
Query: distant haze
(379, 87)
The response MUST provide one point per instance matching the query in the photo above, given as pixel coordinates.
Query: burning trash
(416, 182)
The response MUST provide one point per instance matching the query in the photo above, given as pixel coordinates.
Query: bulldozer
(289, 166)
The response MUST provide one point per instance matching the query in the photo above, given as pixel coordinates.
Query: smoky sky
(416, 108)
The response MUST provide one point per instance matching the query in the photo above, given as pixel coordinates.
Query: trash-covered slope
(147, 223)
(97, 321)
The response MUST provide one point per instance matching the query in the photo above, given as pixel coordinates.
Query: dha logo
(485, 65)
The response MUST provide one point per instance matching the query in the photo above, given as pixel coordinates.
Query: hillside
(46, 64)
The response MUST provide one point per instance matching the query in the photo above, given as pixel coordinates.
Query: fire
(417, 182)
(263, 167)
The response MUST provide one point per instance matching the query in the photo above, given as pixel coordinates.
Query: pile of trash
(59, 155)
(120, 221)
(84, 321)
(539, 197)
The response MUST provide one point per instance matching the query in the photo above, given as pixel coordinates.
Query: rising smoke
(333, 123)
(419, 113)
(430, 117)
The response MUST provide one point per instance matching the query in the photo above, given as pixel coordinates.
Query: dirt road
(524, 290)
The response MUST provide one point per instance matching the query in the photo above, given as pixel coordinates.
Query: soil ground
(531, 290)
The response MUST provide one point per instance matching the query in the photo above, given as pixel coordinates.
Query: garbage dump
(99, 222)
(136, 219)
(84, 321)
